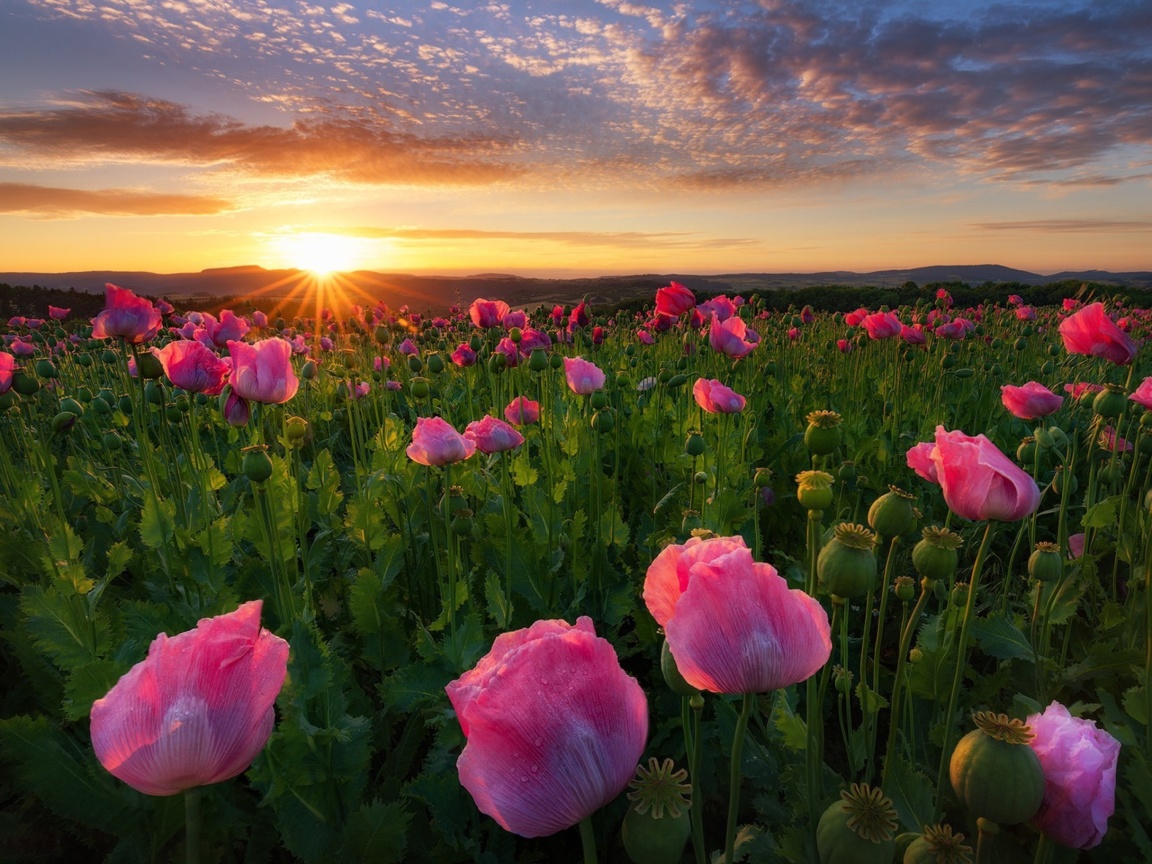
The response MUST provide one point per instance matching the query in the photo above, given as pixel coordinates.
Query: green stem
(588, 840)
(734, 777)
(697, 812)
(958, 674)
(897, 686)
(192, 825)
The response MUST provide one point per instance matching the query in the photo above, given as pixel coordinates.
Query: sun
(320, 253)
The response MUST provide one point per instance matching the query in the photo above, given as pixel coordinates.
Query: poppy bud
(435, 364)
(45, 369)
(63, 421)
(599, 399)
(308, 370)
(694, 444)
(538, 360)
(671, 672)
(24, 384)
(603, 421)
(149, 365)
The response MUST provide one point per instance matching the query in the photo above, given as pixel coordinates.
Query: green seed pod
(994, 771)
(71, 405)
(435, 364)
(45, 369)
(538, 360)
(936, 556)
(109, 356)
(84, 360)
(256, 464)
(858, 829)
(599, 400)
(1061, 479)
(814, 490)
(380, 334)
(1110, 402)
(24, 384)
(938, 845)
(657, 825)
(1046, 564)
(891, 514)
(496, 362)
(958, 596)
(1026, 452)
(112, 441)
(700, 478)
(148, 366)
(762, 478)
(416, 365)
(603, 421)
(556, 361)
(309, 370)
(152, 394)
(678, 380)
(948, 361)
(295, 428)
(904, 588)
(419, 388)
(691, 520)
(63, 421)
(462, 521)
(694, 444)
(846, 566)
(173, 414)
(823, 434)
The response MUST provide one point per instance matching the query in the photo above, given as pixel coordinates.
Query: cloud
(54, 203)
(1077, 226)
(606, 239)
(695, 95)
(118, 127)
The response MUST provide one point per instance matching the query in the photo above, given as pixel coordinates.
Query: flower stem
(192, 825)
(961, 662)
(588, 840)
(697, 811)
(734, 777)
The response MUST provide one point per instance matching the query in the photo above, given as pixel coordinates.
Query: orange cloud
(54, 203)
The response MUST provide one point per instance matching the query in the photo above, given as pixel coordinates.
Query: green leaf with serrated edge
(62, 774)
(60, 626)
(792, 728)
(88, 683)
(499, 605)
(324, 480)
(1135, 704)
(377, 832)
(870, 701)
(414, 687)
(523, 474)
(1103, 514)
(1000, 638)
(911, 794)
(364, 602)
(157, 522)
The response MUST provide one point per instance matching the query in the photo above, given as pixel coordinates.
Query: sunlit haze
(581, 138)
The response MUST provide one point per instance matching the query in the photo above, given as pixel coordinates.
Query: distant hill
(292, 291)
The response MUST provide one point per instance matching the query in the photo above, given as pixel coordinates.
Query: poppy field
(704, 581)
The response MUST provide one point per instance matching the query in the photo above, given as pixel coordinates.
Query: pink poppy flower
(262, 371)
(583, 377)
(522, 411)
(259, 319)
(1143, 394)
(1075, 545)
(954, 330)
(979, 482)
(919, 459)
(732, 624)
(21, 348)
(435, 442)
(853, 319)
(228, 327)
(236, 411)
(7, 368)
(393, 386)
(487, 312)
(881, 325)
(674, 300)
(913, 335)
(578, 317)
(554, 727)
(357, 391)
(464, 356)
(1015, 299)
(644, 337)
(844, 346)
(720, 306)
(518, 318)
(408, 347)
(1070, 303)
(1090, 331)
(197, 710)
(1081, 387)
(126, 316)
(510, 350)
(1026, 313)
(192, 367)
(1079, 762)
(716, 398)
(1110, 441)
(1030, 400)
(56, 313)
(731, 337)
(492, 435)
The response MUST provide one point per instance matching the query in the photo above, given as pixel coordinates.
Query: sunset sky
(575, 137)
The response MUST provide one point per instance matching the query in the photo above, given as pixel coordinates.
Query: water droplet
(524, 778)
(537, 743)
(535, 769)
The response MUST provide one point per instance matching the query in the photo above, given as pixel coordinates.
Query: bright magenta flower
(674, 300)
(715, 398)
(979, 482)
(192, 367)
(522, 411)
(487, 313)
(262, 371)
(126, 316)
(7, 367)
(519, 318)
(583, 376)
(554, 726)
(1030, 400)
(731, 336)
(732, 624)
(913, 335)
(435, 442)
(1090, 331)
(197, 710)
(492, 435)
(464, 356)
(56, 313)
(1079, 762)
(881, 325)
(229, 327)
